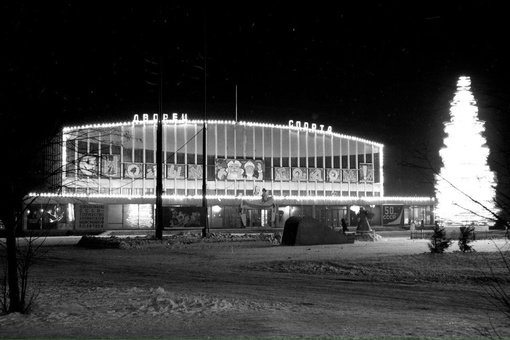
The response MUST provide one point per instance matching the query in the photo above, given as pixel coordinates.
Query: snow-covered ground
(232, 289)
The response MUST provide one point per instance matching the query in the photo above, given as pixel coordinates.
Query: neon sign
(166, 117)
(305, 125)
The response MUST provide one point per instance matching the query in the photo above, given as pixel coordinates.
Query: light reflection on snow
(75, 305)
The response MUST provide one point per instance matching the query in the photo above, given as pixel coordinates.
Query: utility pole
(159, 158)
(204, 140)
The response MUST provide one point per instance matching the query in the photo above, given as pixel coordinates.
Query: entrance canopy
(269, 204)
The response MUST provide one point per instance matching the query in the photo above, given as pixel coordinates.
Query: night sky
(377, 70)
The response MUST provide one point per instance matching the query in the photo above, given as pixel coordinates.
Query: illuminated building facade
(108, 177)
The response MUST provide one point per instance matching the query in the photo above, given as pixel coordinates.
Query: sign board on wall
(333, 175)
(184, 217)
(111, 166)
(366, 172)
(299, 174)
(88, 165)
(195, 171)
(151, 171)
(349, 175)
(176, 171)
(316, 175)
(133, 170)
(393, 215)
(91, 216)
(239, 169)
(282, 174)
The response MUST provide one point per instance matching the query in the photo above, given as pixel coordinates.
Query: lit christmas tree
(465, 186)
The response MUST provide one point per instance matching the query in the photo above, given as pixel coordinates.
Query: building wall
(242, 159)
(109, 179)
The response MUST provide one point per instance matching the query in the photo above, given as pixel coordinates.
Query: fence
(454, 233)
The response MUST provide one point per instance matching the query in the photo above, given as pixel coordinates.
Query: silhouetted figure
(344, 226)
(264, 195)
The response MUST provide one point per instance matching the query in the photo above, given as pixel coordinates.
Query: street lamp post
(204, 177)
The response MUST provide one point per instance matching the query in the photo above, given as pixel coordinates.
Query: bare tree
(36, 165)
(23, 148)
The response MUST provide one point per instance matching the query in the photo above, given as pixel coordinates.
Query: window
(128, 155)
(138, 216)
(139, 155)
(115, 213)
(149, 156)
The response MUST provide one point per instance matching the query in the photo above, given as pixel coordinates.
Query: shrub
(439, 242)
(465, 238)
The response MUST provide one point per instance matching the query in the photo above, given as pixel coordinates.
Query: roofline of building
(237, 200)
(295, 126)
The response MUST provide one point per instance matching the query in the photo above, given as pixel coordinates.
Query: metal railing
(455, 233)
